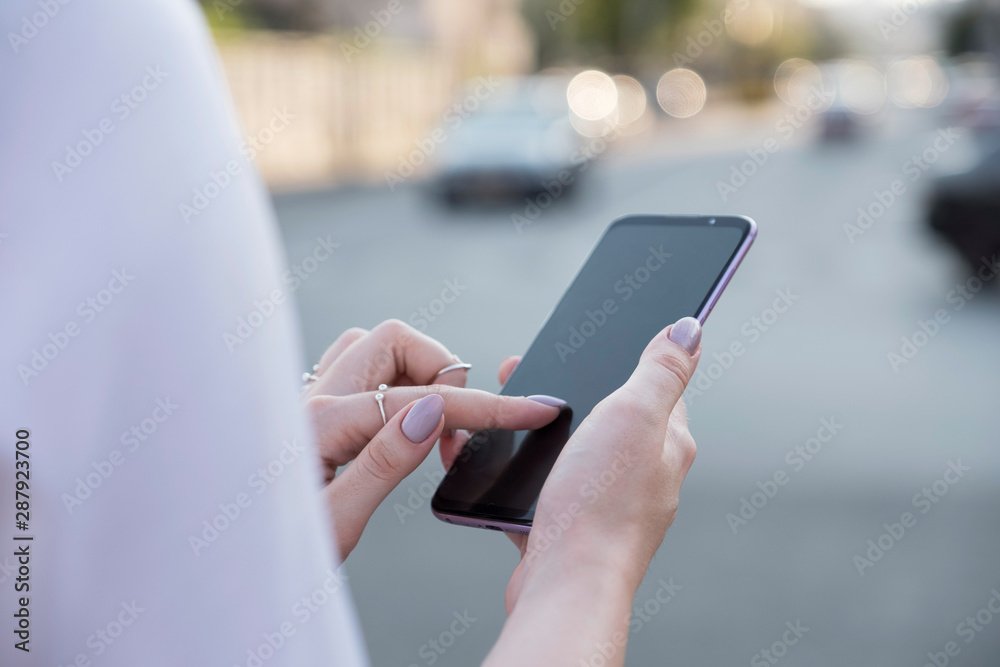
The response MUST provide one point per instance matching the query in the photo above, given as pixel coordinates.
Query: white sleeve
(150, 350)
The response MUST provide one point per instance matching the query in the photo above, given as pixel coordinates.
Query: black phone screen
(645, 273)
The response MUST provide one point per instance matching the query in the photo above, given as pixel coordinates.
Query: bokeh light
(796, 79)
(753, 24)
(681, 93)
(916, 83)
(862, 88)
(592, 95)
(631, 99)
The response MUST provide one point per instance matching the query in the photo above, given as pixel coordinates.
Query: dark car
(965, 208)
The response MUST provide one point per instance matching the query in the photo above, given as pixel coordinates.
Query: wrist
(581, 553)
(570, 608)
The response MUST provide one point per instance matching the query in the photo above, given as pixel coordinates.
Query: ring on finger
(379, 397)
(309, 377)
(452, 367)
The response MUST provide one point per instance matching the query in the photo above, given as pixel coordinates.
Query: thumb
(667, 364)
(395, 451)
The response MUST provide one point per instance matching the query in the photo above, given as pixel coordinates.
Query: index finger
(345, 424)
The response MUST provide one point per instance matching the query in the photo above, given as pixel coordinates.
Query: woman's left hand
(421, 405)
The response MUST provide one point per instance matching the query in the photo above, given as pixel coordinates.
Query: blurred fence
(351, 117)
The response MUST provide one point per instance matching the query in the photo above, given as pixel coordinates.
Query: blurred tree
(305, 15)
(615, 32)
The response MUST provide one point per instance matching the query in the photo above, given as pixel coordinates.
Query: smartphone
(646, 272)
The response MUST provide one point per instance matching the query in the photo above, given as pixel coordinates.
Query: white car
(519, 142)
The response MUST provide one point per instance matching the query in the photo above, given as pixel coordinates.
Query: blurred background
(427, 139)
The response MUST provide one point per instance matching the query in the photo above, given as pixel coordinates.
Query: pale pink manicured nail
(686, 332)
(423, 418)
(550, 401)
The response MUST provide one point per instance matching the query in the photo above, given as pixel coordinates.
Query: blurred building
(359, 92)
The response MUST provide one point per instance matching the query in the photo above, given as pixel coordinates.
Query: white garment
(115, 311)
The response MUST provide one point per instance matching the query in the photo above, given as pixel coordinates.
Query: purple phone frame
(702, 315)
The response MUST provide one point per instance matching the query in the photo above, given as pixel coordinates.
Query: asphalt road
(898, 429)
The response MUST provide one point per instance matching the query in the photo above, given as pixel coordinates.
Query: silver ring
(452, 367)
(311, 377)
(379, 397)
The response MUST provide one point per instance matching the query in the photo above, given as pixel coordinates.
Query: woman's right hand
(422, 405)
(602, 513)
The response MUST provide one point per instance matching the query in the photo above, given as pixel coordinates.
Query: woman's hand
(421, 406)
(602, 513)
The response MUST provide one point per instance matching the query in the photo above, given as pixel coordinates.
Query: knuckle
(352, 334)
(436, 389)
(393, 328)
(317, 407)
(380, 462)
(688, 450)
(673, 371)
(497, 409)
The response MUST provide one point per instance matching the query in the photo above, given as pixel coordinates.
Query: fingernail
(551, 401)
(686, 332)
(423, 418)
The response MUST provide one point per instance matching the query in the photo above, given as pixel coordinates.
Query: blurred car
(839, 123)
(518, 143)
(964, 208)
(839, 120)
(974, 101)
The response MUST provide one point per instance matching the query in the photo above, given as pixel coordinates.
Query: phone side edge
(475, 522)
(731, 267)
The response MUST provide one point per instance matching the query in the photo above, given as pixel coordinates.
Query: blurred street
(825, 360)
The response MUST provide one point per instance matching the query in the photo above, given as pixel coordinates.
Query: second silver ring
(379, 397)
